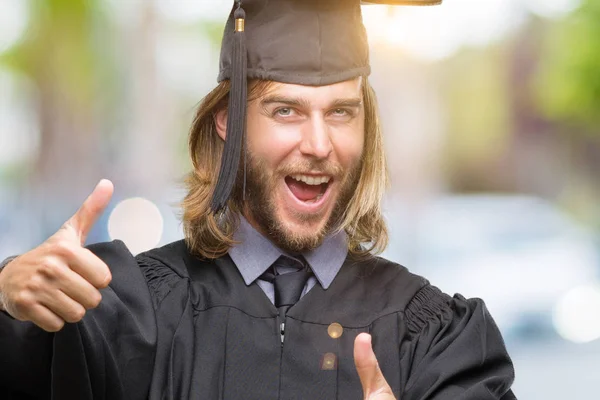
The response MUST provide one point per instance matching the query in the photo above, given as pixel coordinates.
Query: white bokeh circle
(138, 223)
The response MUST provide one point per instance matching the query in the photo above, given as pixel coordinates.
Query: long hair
(210, 236)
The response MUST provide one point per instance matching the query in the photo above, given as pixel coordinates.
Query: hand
(59, 280)
(373, 382)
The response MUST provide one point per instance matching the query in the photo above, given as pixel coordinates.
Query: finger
(80, 290)
(62, 305)
(87, 215)
(370, 375)
(365, 361)
(45, 318)
(90, 267)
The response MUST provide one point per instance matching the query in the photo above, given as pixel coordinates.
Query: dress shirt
(255, 254)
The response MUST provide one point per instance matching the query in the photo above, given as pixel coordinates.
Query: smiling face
(304, 146)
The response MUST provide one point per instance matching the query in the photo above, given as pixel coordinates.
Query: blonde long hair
(210, 236)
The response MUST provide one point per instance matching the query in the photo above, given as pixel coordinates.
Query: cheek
(269, 141)
(349, 146)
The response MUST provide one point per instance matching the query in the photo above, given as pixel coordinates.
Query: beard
(258, 201)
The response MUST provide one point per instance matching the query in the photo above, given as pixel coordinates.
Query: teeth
(311, 180)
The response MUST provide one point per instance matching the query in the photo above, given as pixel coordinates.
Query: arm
(61, 341)
(453, 351)
(26, 352)
(109, 354)
(26, 357)
(456, 351)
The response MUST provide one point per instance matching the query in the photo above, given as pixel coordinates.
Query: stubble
(259, 202)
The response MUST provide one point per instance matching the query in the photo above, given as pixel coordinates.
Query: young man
(276, 292)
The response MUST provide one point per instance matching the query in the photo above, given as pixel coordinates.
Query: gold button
(329, 362)
(335, 330)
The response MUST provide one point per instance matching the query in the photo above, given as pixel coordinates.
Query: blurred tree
(567, 92)
(61, 54)
(568, 85)
(101, 100)
(479, 119)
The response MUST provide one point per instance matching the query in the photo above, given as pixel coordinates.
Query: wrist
(6, 262)
(2, 265)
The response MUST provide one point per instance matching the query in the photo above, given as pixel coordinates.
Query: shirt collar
(254, 254)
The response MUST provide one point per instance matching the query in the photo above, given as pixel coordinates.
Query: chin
(304, 227)
(299, 235)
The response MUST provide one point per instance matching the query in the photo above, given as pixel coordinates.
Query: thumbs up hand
(59, 280)
(373, 382)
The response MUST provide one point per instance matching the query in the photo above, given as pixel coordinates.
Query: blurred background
(491, 116)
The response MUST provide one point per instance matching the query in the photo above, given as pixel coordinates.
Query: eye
(341, 113)
(284, 111)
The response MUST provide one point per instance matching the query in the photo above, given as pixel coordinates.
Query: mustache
(324, 167)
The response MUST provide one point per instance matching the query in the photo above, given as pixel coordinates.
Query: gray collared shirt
(255, 254)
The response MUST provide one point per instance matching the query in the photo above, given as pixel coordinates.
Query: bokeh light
(577, 314)
(138, 223)
(553, 8)
(13, 22)
(435, 33)
(192, 11)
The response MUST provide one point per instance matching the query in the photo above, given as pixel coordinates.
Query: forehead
(350, 89)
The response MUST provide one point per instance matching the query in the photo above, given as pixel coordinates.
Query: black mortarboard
(306, 42)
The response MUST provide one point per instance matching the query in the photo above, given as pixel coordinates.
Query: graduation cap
(305, 42)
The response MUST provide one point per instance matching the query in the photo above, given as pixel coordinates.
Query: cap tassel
(236, 118)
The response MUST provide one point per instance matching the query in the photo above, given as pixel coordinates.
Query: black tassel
(236, 118)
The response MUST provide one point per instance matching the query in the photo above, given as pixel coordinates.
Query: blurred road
(556, 370)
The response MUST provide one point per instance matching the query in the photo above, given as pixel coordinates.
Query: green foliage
(59, 49)
(568, 86)
(478, 104)
(214, 31)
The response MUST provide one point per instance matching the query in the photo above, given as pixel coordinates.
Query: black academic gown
(173, 327)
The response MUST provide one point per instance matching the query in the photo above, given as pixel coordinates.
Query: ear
(221, 122)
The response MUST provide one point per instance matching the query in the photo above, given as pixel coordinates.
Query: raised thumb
(91, 209)
(373, 382)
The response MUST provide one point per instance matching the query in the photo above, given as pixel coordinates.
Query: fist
(60, 279)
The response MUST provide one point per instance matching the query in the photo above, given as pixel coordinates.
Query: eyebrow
(290, 101)
(353, 102)
(303, 103)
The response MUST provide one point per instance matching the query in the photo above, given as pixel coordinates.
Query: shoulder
(452, 346)
(172, 256)
(396, 288)
(421, 302)
(162, 269)
(112, 253)
(378, 272)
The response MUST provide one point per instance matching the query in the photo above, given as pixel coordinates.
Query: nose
(316, 140)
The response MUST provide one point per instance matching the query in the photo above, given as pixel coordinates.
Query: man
(276, 292)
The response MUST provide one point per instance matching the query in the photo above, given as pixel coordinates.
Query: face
(304, 146)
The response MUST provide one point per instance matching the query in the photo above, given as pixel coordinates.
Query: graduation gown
(173, 327)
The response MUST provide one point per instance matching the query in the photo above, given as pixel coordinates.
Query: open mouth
(308, 188)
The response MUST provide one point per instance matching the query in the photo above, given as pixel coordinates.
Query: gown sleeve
(108, 355)
(454, 350)
(25, 357)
